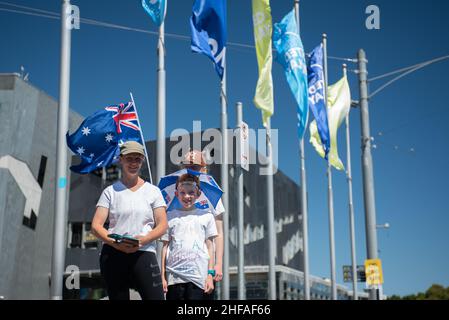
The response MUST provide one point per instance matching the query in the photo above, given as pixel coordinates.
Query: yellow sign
(373, 271)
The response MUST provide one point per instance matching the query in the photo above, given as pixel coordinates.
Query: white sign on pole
(244, 146)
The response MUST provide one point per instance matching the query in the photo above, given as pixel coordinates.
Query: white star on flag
(99, 164)
(91, 155)
(109, 137)
(80, 151)
(85, 131)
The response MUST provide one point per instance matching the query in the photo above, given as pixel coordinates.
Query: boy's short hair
(188, 178)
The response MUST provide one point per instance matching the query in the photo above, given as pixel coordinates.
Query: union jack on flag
(124, 115)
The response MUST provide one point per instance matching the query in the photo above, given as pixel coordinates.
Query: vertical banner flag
(290, 54)
(338, 105)
(98, 138)
(208, 26)
(263, 30)
(316, 96)
(156, 9)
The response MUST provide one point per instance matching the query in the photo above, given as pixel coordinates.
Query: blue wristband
(211, 272)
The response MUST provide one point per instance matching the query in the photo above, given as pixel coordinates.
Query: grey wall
(28, 121)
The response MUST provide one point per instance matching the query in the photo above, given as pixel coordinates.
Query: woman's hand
(142, 240)
(125, 247)
(209, 286)
(164, 285)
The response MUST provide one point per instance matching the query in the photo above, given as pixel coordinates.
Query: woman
(135, 208)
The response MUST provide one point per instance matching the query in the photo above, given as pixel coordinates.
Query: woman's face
(131, 163)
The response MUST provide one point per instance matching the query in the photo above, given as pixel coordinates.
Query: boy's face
(187, 194)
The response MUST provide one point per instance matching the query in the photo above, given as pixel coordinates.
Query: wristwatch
(211, 272)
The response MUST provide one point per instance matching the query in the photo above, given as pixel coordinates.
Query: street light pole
(367, 165)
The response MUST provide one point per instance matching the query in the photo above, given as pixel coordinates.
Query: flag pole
(143, 140)
(161, 79)
(240, 210)
(60, 221)
(351, 206)
(225, 186)
(270, 213)
(303, 197)
(330, 196)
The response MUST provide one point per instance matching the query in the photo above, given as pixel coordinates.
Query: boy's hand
(218, 273)
(209, 286)
(164, 285)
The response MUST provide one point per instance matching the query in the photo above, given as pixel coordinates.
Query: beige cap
(131, 147)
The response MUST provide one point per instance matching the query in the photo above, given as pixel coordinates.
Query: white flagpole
(330, 195)
(60, 222)
(351, 206)
(304, 207)
(225, 187)
(143, 141)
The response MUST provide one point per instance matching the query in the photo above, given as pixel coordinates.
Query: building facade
(28, 121)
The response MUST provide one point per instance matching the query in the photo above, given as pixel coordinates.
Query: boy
(194, 160)
(188, 251)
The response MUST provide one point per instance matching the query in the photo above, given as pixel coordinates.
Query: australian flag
(98, 138)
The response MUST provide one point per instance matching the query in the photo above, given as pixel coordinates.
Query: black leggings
(122, 271)
(186, 291)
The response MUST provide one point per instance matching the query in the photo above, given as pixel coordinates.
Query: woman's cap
(131, 147)
(194, 157)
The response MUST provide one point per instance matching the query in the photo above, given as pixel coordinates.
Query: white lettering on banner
(214, 50)
(263, 32)
(314, 94)
(291, 57)
(258, 18)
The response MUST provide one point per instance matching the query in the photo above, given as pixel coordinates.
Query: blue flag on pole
(316, 96)
(98, 138)
(290, 54)
(156, 9)
(208, 26)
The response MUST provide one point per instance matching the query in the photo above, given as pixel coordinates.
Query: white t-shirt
(187, 256)
(131, 212)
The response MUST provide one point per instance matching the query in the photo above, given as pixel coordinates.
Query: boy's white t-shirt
(131, 212)
(187, 257)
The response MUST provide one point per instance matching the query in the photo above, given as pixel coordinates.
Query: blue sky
(412, 113)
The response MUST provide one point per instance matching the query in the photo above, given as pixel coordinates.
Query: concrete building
(28, 119)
